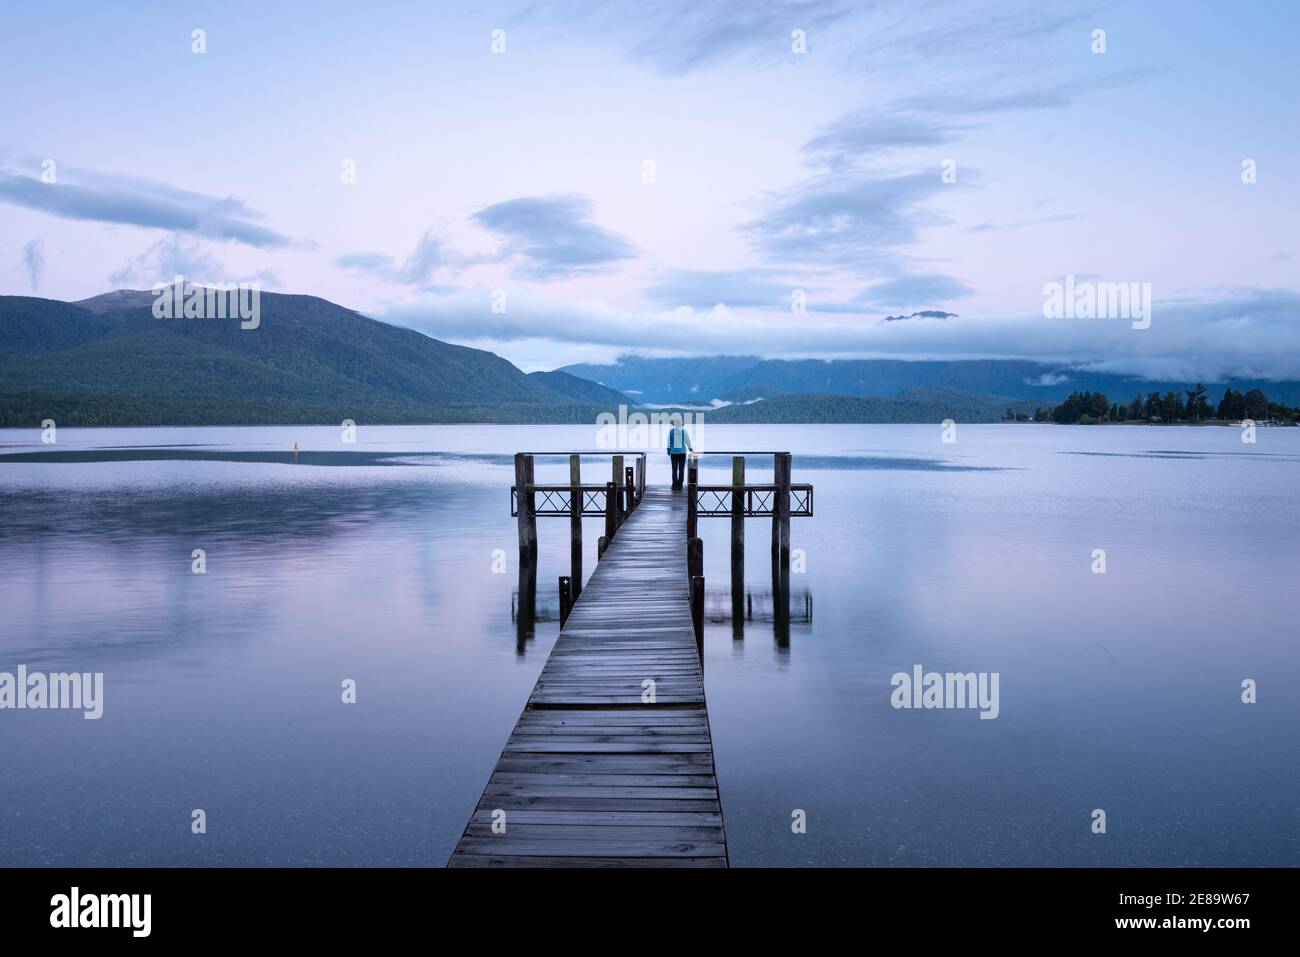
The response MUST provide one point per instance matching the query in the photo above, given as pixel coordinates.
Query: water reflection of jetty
(761, 606)
(758, 607)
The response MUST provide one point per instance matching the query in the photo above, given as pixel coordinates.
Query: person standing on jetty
(679, 443)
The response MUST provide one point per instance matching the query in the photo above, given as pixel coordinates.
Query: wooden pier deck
(592, 775)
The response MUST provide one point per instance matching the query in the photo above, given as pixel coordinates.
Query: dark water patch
(185, 454)
(888, 463)
(169, 445)
(186, 516)
(416, 458)
(1187, 454)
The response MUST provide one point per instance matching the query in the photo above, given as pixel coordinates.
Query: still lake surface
(374, 562)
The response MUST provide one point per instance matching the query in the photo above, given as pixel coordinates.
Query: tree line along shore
(1190, 406)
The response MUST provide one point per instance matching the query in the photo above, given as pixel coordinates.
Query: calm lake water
(374, 562)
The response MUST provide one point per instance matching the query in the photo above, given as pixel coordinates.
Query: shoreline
(1220, 423)
(335, 425)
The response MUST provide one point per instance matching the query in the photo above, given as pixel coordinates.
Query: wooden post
(737, 529)
(781, 468)
(697, 612)
(692, 508)
(781, 614)
(611, 516)
(629, 484)
(524, 497)
(618, 482)
(566, 598)
(532, 511)
(694, 558)
(526, 616)
(640, 477)
(575, 524)
(738, 548)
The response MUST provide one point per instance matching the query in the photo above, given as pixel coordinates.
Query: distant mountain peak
(924, 314)
(117, 299)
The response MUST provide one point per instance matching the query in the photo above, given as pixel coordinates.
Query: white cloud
(1242, 332)
(178, 255)
(34, 262)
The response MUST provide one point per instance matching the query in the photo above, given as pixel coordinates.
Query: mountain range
(108, 360)
(700, 380)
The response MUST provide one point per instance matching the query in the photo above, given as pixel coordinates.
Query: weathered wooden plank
(500, 860)
(632, 724)
(496, 794)
(601, 846)
(629, 677)
(592, 808)
(675, 657)
(542, 744)
(654, 731)
(609, 764)
(645, 787)
(655, 817)
(620, 692)
(625, 664)
(686, 835)
(610, 716)
(613, 698)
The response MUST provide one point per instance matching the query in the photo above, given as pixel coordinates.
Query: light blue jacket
(679, 441)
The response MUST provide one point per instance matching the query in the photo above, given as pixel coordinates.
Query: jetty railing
(557, 500)
(781, 500)
(615, 500)
(715, 501)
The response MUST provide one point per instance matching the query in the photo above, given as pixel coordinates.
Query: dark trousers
(679, 468)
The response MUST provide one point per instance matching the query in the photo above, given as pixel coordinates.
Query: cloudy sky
(662, 177)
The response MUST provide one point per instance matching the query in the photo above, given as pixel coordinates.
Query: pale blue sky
(775, 170)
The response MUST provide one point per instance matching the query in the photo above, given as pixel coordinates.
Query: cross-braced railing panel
(757, 501)
(556, 500)
(711, 502)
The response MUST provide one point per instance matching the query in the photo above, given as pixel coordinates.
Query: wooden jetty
(611, 762)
